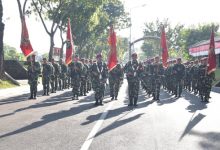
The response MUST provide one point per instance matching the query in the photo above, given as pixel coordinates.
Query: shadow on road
(65, 97)
(16, 99)
(57, 115)
(51, 118)
(191, 124)
(118, 123)
(210, 140)
(195, 103)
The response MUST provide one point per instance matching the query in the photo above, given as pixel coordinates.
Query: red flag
(211, 55)
(164, 47)
(112, 59)
(25, 42)
(69, 44)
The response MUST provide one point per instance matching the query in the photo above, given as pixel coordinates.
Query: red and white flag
(164, 47)
(25, 42)
(69, 44)
(112, 59)
(211, 54)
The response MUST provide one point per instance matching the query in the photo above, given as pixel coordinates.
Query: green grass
(6, 84)
(217, 76)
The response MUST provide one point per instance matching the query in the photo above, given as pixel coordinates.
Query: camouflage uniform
(115, 77)
(63, 76)
(52, 78)
(205, 82)
(99, 74)
(179, 72)
(157, 79)
(133, 71)
(46, 74)
(147, 77)
(75, 71)
(83, 79)
(56, 75)
(33, 72)
(195, 78)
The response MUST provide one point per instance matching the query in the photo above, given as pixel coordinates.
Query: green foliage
(152, 47)
(179, 38)
(10, 53)
(89, 19)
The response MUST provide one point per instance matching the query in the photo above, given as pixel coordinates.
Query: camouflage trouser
(205, 89)
(76, 86)
(114, 86)
(156, 87)
(52, 83)
(133, 89)
(33, 88)
(88, 84)
(149, 85)
(46, 84)
(62, 81)
(195, 85)
(83, 87)
(99, 89)
(178, 87)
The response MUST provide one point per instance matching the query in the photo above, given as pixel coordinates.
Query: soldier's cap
(99, 55)
(134, 55)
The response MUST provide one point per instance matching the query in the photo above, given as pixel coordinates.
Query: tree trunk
(2, 27)
(51, 47)
(1, 50)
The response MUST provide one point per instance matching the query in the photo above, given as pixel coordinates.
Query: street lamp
(143, 5)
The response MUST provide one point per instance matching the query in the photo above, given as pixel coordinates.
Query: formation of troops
(83, 75)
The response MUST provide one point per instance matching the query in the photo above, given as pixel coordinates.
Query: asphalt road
(56, 122)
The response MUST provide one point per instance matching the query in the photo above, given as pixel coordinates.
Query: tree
(50, 9)
(10, 53)
(2, 25)
(152, 47)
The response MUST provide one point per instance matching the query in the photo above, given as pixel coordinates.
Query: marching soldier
(133, 70)
(99, 74)
(46, 73)
(75, 72)
(205, 81)
(56, 74)
(115, 77)
(179, 71)
(52, 78)
(195, 76)
(63, 74)
(157, 78)
(147, 77)
(33, 71)
(83, 78)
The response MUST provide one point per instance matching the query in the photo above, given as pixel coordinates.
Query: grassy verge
(6, 84)
(217, 76)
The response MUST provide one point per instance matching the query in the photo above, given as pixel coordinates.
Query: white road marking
(96, 128)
